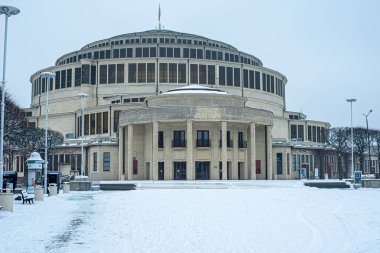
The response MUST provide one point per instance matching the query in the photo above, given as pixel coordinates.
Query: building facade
(170, 105)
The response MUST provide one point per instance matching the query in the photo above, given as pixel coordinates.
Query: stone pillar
(121, 155)
(252, 150)
(154, 167)
(224, 150)
(269, 152)
(190, 173)
(129, 153)
(235, 154)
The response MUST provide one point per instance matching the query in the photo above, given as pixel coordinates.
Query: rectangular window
(309, 133)
(185, 53)
(160, 139)
(236, 77)
(116, 115)
(138, 51)
(318, 134)
(99, 123)
(129, 52)
(279, 163)
(314, 131)
(264, 82)
(105, 122)
(57, 80)
(142, 72)
(293, 131)
(179, 139)
(258, 166)
(202, 170)
(111, 73)
(241, 142)
(135, 166)
(120, 73)
(169, 52)
(146, 52)
(163, 72)
(132, 73)
(177, 52)
(152, 52)
(199, 53)
(194, 73)
(151, 72)
(257, 80)
(93, 74)
(103, 74)
(162, 51)
(172, 72)
(271, 84)
(85, 74)
(229, 76)
(69, 78)
(95, 162)
(300, 132)
(193, 53)
(245, 78)
(116, 53)
(86, 124)
(203, 138)
(106, 161)
(222, 75)
(63, 80)
(181, 73)
(202, 74)
(92, 123)
(211, 74)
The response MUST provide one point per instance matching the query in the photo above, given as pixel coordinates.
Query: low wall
(80, 185)
(368, 183)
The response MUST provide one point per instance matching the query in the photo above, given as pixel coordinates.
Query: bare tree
(360, 144)
(338, 139)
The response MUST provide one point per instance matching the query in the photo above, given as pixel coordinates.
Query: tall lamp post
(7, 11)
(47, 76)
(369, 147)
(82, 97)
(352, 100)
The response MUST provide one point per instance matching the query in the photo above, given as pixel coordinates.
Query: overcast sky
(329, 50)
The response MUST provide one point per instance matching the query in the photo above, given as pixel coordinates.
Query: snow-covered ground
(260, 216)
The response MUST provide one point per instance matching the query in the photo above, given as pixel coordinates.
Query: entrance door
(306, 166)
(202, 170)
(161, 171)
(240, 170)
(147, 170)
(229, 170)
(179, 170)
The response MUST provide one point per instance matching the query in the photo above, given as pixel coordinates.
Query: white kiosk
(34, 170)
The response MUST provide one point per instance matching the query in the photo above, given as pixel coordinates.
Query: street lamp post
(369, 146)
(82, 97)
(47, 76)
(7, 11)
(352, 100)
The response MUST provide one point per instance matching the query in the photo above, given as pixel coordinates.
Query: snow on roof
(198, 89)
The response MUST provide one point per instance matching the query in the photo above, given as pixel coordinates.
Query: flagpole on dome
(159, 16)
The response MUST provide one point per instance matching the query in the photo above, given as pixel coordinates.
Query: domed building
(168, 105)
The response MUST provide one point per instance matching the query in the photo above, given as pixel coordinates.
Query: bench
(26, 197)
(1, 207)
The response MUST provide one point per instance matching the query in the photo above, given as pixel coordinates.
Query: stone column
(129, 153)
(269, 152)
(224, 150)
(154, 166)
(235, 154)
(252, 150)
(190, 173)
(121, 155)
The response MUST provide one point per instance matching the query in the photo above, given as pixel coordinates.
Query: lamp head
(83, 95)
(351, 100)
(9, 10)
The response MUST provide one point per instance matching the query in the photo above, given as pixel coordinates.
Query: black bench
(26, 197)
(1, 207)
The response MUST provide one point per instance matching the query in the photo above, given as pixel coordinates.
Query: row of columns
(153, 172)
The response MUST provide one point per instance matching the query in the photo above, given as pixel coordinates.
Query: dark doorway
(202, 170)
(161, 171)
(179, 170)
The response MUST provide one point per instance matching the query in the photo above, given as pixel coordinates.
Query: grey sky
(328, 49)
